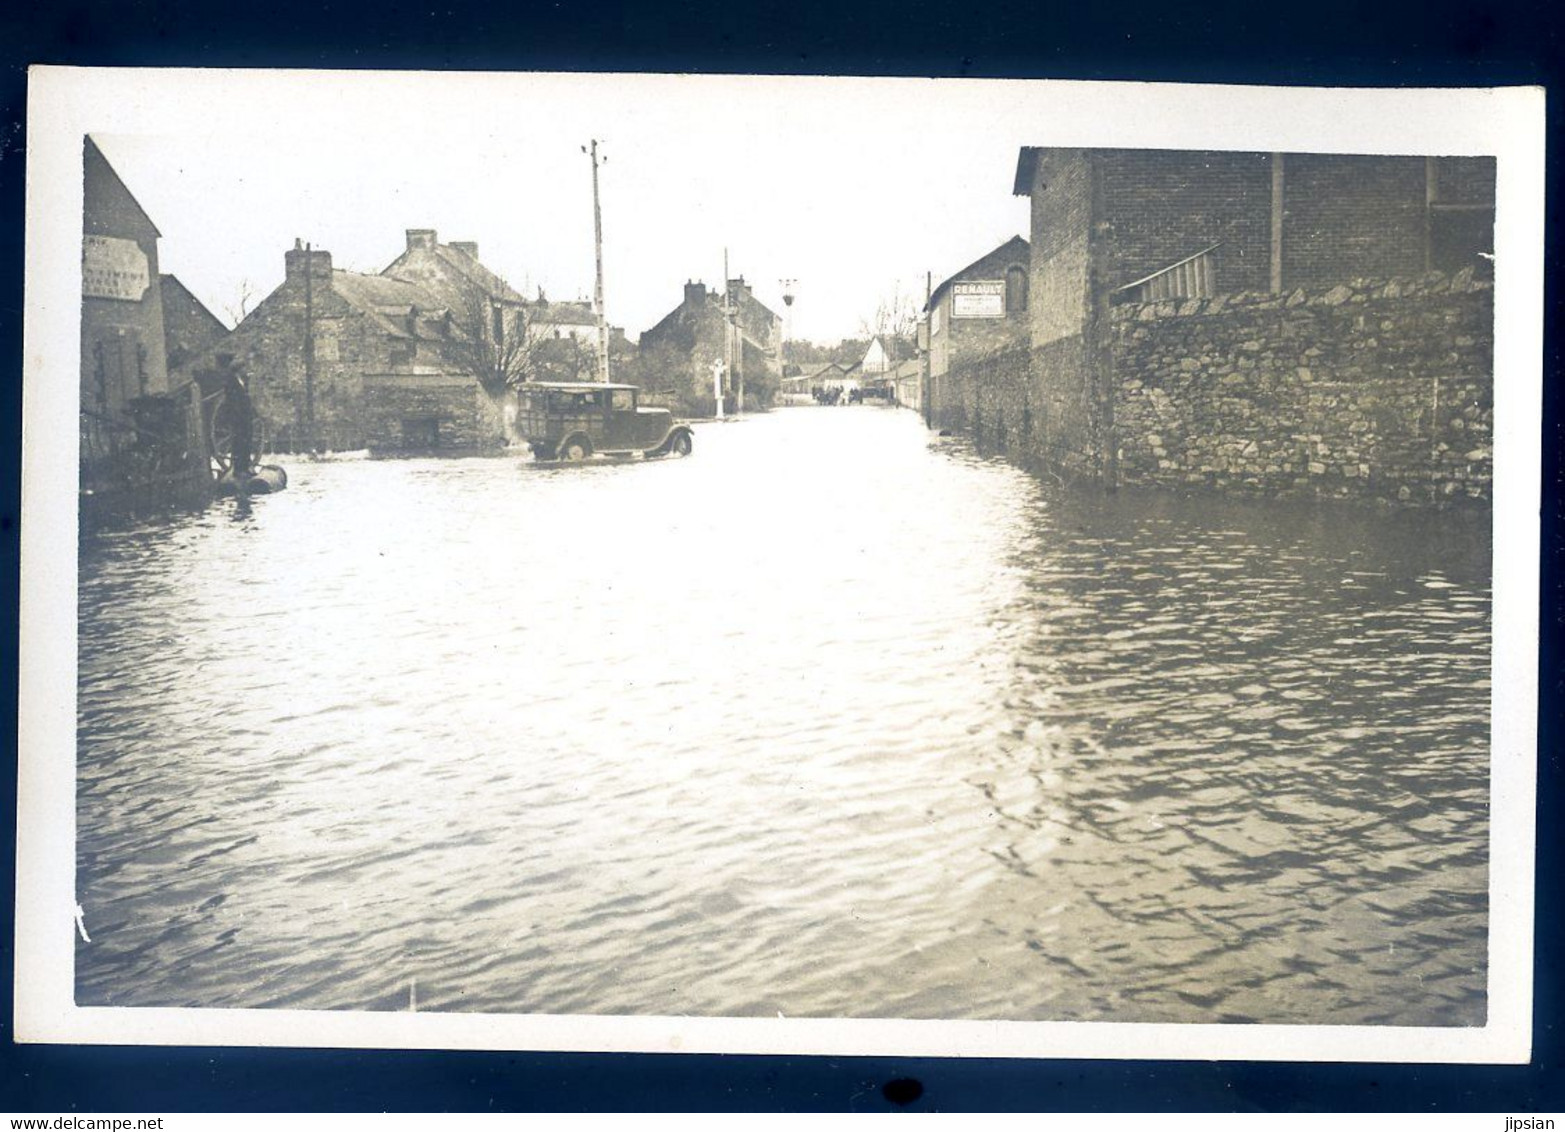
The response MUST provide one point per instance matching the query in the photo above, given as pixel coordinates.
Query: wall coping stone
(1464, 281)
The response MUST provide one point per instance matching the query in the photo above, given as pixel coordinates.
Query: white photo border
(67, 103)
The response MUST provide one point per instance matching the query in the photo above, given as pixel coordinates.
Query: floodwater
(834, 717)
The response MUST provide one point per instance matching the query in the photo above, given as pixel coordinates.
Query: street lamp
(788, 286)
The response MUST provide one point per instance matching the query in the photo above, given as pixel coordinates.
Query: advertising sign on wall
(113, 268)
(980, 298)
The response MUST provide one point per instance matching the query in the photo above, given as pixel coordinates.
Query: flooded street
(834, 717)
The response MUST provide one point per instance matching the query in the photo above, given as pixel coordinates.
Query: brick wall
(1348, 217)
(1344, 216)
(1061, 209)
(1161, 206)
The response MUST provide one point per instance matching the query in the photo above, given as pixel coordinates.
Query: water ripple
(835, 718)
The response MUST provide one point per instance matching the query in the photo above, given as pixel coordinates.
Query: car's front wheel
(682, 443)
(576, 449)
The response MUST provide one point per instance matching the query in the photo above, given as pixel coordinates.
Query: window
(1015, 289)
(622, 400)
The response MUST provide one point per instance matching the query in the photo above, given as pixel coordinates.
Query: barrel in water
(264, 480)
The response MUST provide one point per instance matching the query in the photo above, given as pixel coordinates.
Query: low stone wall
(421, 414)
(1380, 390)
(1371, 390)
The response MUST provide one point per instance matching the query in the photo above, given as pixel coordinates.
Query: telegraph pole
(926, 381)
(309, 345)
(728, 334)
(597, 244)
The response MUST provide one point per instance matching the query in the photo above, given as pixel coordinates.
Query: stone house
(561, 320)
(455, 278)
(688, 341)
(343, 360)
(307, 348)
(449, 273)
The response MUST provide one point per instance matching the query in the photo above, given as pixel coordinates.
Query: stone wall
(1369, 390)
(422, 414)
(1030, 405)
(1372, 389)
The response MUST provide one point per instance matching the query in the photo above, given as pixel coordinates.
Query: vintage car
(574, 420)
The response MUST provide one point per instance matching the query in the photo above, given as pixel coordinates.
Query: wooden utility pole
(309, 346)
(597, 245)
(926, 381)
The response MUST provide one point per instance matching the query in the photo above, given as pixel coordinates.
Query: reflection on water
(833, 718)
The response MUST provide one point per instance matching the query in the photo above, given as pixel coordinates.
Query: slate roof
(388, 302)
(560, 314)
(469, 267)
(453, 265)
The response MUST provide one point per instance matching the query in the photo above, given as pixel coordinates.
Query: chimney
(297, 260)
(420, 238)
(467, 248)
(738, 286)
(695, 294)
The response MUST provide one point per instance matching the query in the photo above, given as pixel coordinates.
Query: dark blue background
(1396, 43)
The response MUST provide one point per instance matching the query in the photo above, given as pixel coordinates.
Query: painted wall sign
(114, 268)
(978, 298)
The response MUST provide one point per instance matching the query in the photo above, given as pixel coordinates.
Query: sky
(853, 189)
(856, 188)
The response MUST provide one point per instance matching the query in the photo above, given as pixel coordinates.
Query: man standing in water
(239, 417)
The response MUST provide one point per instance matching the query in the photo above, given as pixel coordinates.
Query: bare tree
(895, 323)
(492, 340)
(243, 299)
